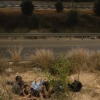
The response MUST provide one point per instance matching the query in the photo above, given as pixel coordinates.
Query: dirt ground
(90, 81)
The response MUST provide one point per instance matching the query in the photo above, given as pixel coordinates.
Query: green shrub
(60, 80)
(27, 7)
(59, 6)
(97, 8)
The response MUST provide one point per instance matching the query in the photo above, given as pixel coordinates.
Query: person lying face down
(18, 85)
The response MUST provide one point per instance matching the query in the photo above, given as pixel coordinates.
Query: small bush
(97, 8)
(83, 59)
(94, 63)
(15, 54)
(73, 18)
(27, 7)
(78, 58)
(60, 80)
(43, 58)
(59, 6)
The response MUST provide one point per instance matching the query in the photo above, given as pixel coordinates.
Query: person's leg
(50, 91)
(44, 92)
(41, 96)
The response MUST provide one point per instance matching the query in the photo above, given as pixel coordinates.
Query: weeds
(3, 65)
(78, 57)
(15, 54)
(83, 59)
(5, 91)
(43, 58)
(76, 60)
(94, 63)
(59, 83)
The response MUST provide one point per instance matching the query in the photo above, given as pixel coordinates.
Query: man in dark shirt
(18, 85)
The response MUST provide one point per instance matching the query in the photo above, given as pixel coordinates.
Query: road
(47, 5)
(57, 45)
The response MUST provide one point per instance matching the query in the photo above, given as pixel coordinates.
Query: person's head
(18, 78)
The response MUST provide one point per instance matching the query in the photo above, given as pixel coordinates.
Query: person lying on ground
(18, 85)
(47, 90)
(27, 93)
(42, 88)
(36, 87)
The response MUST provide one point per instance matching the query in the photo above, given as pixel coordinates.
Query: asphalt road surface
(57, 45)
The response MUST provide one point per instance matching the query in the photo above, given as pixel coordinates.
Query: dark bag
(75, 86)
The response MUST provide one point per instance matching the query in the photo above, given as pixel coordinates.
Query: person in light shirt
(41, 88)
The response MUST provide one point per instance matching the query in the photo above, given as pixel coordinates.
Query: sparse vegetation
(83, 59)
(3, 65)
(78, 59)
(74, 61)
(5, 91)
(61, 67)
(15, 54)
(43, 58)
(47, 21)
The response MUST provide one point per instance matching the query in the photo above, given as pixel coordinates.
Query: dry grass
(49, 12)
(81, 54)
(10, 10)
(43, 58)
(86, 11)
(84, 59)
(80, 59)
(94, 63)
(5, 91)
(3, 65)
(15, 54)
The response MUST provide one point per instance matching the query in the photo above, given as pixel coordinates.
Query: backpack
(75, 86)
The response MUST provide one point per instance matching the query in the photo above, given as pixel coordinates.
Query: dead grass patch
(84, 59)
(10, 10)
(15, 54)
(43, 58)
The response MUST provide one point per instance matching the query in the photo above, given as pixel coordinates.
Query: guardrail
(47, 6)
(49, 34)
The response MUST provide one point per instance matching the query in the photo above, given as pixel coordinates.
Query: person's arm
(26, 95)
(29, 94)
(24, 92)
